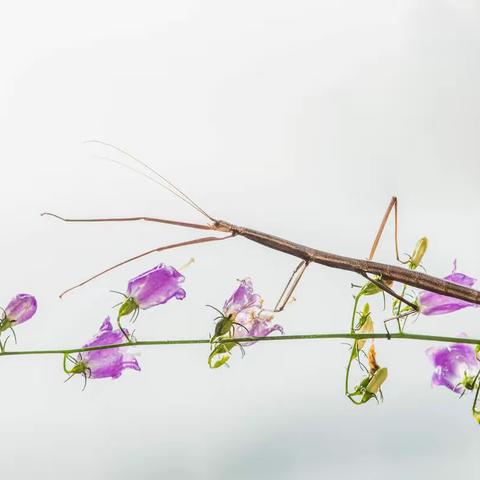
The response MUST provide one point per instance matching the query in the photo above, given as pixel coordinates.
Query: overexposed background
(301, 119)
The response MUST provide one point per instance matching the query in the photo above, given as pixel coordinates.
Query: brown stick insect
(384, 273)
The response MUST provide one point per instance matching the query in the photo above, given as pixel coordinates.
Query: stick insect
(384, 273)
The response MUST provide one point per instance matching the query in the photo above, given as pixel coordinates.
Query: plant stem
(313, 336)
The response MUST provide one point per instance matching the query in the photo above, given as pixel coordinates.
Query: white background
(300, 119)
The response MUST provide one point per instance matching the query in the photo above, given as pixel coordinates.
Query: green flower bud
(370, 289)
(367, 327)
(418, 253)
(377, 381)
(476, 415)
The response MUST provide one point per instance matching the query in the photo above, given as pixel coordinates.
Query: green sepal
(128, 306)
(6, 324)
(477, 351)
(468, 381)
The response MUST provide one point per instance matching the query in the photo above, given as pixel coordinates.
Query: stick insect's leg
(396, 317)
(392, 205)
(391, 292)
(159, 249)
(131, 219)
(291, 285)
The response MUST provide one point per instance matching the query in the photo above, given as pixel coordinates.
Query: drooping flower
(244, 308)
(151, 288)
(106, 363)
(455, 366)
(20, 309)
(436, 304)
(242, 316)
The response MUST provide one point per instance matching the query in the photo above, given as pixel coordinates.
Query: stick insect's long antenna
(158, 249)
(132, 219)
(168, 185)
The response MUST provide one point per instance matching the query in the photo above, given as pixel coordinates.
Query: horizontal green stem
(313, 336)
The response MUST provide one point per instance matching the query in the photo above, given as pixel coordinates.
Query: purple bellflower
(244, 308)
(435, 304)
(455, 366)
(20, 309)
(151, 288)
(106, 363)
(242, 316)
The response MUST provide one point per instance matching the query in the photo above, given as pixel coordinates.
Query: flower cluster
(149, 289)
(243, 321)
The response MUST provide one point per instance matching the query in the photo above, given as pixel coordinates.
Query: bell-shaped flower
(151, 288)
(20, 309)
(242, 316)
(244, 307)
(436, 304)
(104, 363)
(455, 366)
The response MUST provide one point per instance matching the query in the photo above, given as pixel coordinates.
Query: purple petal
(242, 299)
(451, 363)
(108, 363)
(21, 308)
(436, 304)
(156, 286)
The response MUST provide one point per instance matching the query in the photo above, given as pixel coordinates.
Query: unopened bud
(377, 381)
(418, 253)
(366, 328)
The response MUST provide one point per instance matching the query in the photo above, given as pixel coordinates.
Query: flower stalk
(206, 341)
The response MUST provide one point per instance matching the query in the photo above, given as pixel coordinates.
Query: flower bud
(476, 415)
(377, 381)
(418, 253)
(20, 309)
(366, 328)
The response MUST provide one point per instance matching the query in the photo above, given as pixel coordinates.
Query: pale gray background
(298, 118)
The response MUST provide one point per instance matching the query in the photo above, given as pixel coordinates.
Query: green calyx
(128, 306)
(468, 381)
(80, 367)
(5, 324)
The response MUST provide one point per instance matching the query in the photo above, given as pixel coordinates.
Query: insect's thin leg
(391, 292)
(396, 317)
(159, 249)
(290, 287)
(132, 219)
(392, 205)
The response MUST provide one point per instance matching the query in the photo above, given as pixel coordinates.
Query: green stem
(355, 304)
(314, 336)
(347, 374)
